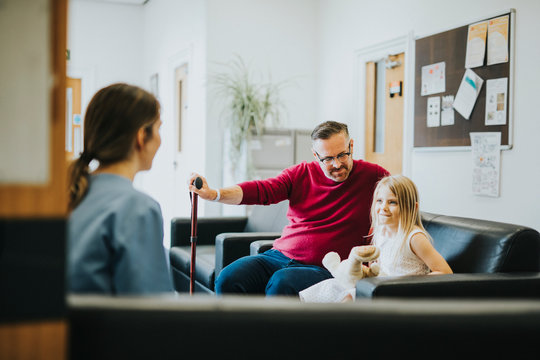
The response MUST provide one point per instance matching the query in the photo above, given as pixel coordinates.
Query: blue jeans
(270, 273)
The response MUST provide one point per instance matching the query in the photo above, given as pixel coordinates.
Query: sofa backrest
(481, 246)
(268, 218)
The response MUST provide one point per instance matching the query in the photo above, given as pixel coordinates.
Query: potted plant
(249, 107)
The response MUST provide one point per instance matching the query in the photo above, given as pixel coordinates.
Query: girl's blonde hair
(407, 196)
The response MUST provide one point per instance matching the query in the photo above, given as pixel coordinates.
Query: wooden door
(384, 112)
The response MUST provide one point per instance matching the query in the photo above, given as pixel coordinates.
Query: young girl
(115, 232)
(405, 246)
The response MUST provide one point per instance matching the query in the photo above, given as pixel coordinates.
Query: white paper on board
(447, 110)
(433, 79)
(434, 111)
(497, 51)
(476, 44)
(468, 93)
(496, 95)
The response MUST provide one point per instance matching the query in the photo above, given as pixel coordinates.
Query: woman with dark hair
(115, 232)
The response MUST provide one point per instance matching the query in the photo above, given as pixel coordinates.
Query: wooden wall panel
(34, 341)
(42, 339)
(49, 200)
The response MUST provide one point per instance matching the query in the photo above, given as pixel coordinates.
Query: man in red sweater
(329, 205)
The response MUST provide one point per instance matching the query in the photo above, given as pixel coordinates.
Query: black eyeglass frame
(330, 159)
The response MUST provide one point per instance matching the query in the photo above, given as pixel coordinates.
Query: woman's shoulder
(120, 193)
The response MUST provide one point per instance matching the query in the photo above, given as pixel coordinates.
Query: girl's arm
(423, 248)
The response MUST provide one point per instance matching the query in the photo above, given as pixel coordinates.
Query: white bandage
(218, 195)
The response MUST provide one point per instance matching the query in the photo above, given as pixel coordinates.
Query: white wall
(277, 38)
(443, 178)
(313, 42)
(174, 33)
(105, 41)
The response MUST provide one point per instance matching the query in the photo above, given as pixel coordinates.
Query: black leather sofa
(206, 327)
(489, 259)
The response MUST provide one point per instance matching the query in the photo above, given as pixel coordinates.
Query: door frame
(182, 57)
(87, 76)
(403, 44)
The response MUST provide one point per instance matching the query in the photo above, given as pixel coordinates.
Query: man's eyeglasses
(344, 156)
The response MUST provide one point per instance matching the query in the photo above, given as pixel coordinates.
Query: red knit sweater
(324, 215)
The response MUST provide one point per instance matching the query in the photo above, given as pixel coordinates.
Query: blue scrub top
(115, 241)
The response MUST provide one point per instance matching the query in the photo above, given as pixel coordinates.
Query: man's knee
(243, 276)
(227, 282)
(282, 283)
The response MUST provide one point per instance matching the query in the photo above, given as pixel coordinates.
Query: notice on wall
(468, 93)
(486, 155)
(476, 44)
(447, 110)
(497, 51)
(433, 79)
(496, 90)
(434, 111)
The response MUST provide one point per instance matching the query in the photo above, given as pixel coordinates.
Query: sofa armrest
(232, 246)
(494, 285)
(260, 246)
(207, 229)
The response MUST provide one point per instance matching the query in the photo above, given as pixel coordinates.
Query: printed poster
(476, 45)
(433, 79)
(496, 95)
(468, 93)
(447, 111)
(486, 155)
(434, 111)
(497, 51)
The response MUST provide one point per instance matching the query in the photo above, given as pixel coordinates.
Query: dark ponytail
(79, 173)
(112, 120)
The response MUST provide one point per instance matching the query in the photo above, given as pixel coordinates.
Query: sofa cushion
(204, 266)
(268, 218)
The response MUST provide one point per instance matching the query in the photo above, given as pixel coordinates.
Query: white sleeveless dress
(398, 259)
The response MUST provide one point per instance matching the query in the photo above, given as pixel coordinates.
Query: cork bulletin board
(450, 47)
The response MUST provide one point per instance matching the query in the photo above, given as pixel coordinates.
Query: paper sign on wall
(447, 111)
(496, 90)
(486, 156)
(433, 79)
(434, 111)
(476, 44)
(468, 93)
(497, 51)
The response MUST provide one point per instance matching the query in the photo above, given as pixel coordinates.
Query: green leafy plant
(249, 106)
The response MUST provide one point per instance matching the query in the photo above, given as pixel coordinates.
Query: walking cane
(194, 200)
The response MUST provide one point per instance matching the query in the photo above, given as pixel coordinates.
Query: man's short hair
(327, 129)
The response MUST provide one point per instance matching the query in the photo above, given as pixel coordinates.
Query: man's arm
(231, 195)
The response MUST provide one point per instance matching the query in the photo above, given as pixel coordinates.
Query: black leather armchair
(221, 240)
